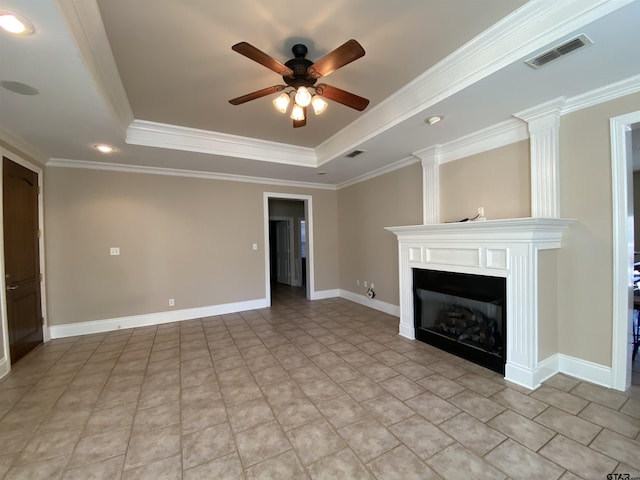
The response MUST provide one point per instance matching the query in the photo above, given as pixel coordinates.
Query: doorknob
(12, 287)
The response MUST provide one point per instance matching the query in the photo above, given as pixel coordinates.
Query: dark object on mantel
(465, 219)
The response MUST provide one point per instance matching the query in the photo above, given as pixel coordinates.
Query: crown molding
(613, 91)
(21, 147)
(405, 162)
(495, 136)
(175, 137)
(529, 28)
(85, 22)
(175, 172)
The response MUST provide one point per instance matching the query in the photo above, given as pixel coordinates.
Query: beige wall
(367, 250)
(184, 238)
(585, 271)
(498, 180)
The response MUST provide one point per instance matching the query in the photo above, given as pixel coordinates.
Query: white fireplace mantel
(500, 248)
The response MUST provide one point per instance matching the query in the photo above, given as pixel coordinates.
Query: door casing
(308, 213)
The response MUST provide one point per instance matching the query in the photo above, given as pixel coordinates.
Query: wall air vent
(558, 51)
(354, 154)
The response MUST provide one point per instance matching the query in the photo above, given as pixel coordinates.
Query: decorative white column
(544, 127)
(430, 158)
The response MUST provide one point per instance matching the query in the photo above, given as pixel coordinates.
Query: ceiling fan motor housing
(299, 65)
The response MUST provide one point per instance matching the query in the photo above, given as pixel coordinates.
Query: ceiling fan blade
(303, 122)
(257, 94)
(249, 51)
(341, 96)
(341, 56)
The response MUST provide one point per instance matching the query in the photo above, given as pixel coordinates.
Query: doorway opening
(622, 166)
(288, 245)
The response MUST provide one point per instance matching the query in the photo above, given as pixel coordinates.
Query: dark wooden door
(21, 258)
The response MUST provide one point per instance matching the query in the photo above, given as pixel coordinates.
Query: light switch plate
(114, 251)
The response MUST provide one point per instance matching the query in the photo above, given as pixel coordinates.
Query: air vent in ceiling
(559, 50)
(355, 153)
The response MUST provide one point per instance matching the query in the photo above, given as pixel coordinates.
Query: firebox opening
(463, 314)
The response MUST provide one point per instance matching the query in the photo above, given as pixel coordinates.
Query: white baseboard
(371, 302)
(560, 363)
(407, 332)
(585, 370)
(5, 368)
(322, 294)
(111, 324)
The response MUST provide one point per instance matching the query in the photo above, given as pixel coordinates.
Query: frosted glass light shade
(282, 102)
(297, 113)
(318, 104)
(303, 97)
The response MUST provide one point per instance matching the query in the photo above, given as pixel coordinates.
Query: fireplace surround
(462, 313)
(496, 248)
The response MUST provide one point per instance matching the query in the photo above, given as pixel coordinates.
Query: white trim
(20, 146)
(498, 248)
(622, 250)
(85, 22)
(308, 213)
(527, 29)
(585, 370)
(547, 368)
(41, 252)
(4, 367)
(379, 305)
(162, 135)
(111, 324)
(117, 167)
(572, 366)
(495, 136)
(324, 294)
(607, 93)
(543, 122)
(392, 167)
(430, 162)
(532, 378)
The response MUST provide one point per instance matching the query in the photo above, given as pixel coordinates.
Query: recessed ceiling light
(15, 24)
(104, 148)
(19, 87)
(433, 119)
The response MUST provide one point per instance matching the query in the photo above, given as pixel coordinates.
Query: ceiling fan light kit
(301, 75)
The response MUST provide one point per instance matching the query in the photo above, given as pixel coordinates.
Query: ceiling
(153, 78)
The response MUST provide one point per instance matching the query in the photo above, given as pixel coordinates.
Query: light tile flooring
(320, 390)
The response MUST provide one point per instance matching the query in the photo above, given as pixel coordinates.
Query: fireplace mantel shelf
(515, 228)
(502, 248)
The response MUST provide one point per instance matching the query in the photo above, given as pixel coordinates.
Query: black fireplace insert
(461, 313)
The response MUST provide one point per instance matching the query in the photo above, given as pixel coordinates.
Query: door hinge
(41, 277)
(39, 233)
(41, 320)
(38, 189)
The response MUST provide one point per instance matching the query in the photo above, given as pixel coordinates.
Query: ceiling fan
(301, 75)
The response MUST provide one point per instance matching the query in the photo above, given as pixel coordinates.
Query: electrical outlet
(172, 302)
(365, 284)
(372, 287)
(114, 251)
(357, 282)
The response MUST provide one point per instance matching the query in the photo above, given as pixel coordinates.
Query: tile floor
(320, 390)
